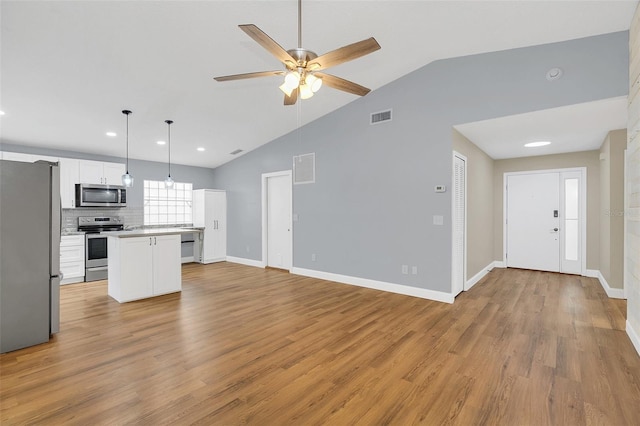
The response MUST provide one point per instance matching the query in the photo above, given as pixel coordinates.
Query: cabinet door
(91, 172)
(167, 272)
(136, 263)
(220, 217)
(112, 173)
(69, 176)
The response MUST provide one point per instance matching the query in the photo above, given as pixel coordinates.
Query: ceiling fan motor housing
(302, 56)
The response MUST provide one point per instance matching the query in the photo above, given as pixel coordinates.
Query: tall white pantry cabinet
(210, 212)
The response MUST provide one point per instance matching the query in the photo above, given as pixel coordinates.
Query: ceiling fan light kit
(302, 67)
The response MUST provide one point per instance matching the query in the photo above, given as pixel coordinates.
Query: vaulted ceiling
(68, 68)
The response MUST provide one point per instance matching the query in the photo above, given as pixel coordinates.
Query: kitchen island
(145, 263)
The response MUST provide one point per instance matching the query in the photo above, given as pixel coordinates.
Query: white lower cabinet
(142, 267)
(72, 258)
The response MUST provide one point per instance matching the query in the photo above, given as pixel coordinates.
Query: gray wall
(371, 208)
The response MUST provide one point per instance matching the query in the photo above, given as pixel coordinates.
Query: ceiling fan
(303, 76)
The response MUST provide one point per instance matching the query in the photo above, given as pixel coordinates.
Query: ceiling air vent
(304, 168)
(379, 117)
(237, 151)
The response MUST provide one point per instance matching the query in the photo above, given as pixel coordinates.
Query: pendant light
(127, 179)
(168, 182)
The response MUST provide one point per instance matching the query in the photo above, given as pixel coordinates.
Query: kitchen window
(164, 206)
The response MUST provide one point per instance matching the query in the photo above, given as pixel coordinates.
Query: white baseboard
(634, 336)
(187, 259)
(591, 273)
(422, 293)
(499, 264)
(72, 280)
(480, 275)
(243, 261)
(613, 293)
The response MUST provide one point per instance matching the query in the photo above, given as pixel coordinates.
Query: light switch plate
(440, 188)
(438, 220)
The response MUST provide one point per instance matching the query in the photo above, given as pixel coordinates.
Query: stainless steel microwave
(91, 195)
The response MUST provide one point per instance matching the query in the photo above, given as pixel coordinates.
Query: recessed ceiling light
(1, 112)
(112, 134)
(537, 144)
(200, 149)
(161, 142)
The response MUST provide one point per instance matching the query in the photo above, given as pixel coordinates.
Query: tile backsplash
(133, 217)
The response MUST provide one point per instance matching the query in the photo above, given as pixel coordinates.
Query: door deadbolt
(555, 214)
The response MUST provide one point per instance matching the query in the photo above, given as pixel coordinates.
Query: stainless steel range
(96, 230)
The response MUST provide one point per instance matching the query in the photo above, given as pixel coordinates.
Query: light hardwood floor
(242, 345)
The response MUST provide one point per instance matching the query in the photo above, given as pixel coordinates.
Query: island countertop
(151, 232)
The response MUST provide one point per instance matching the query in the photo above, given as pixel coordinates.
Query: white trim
(591, 273)
(422, 293)
(583, 209)
(265, 241)
(634, 336)
(625, 231)
(187, 259)
(453, 229)
(72, 280)
(499, 264)
(247, 262)
(480, 275)
(613, 293)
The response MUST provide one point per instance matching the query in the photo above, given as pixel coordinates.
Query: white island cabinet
(143, 266)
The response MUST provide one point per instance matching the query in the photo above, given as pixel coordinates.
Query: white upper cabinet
(69, 176)
(100, 173)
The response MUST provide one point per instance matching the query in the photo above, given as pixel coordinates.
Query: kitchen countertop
(149, 232)
(64, 233)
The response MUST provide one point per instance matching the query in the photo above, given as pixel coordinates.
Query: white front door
(544, 221)
(278, 221)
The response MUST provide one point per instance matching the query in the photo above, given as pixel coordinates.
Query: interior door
(279, 251)
(533, 205)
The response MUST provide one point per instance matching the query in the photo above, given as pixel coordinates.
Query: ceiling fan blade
(344, 54)
(342, 84)
(248, 75)
(268, 43)
(291, 100)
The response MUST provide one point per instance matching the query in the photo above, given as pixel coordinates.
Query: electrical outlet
(414, 270)
(248, 250)
(405, 269)
(313, 257)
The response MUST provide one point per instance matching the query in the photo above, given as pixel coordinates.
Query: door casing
(582, 206)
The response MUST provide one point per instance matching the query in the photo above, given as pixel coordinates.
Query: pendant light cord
(127, 112)
(169, 138)
(127, 143)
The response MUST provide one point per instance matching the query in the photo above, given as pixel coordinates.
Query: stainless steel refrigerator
(30, 216)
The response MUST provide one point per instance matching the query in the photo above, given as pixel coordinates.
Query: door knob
(555, 229)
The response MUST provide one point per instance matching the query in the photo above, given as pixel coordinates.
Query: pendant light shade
(168, 182)
(127, 179)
